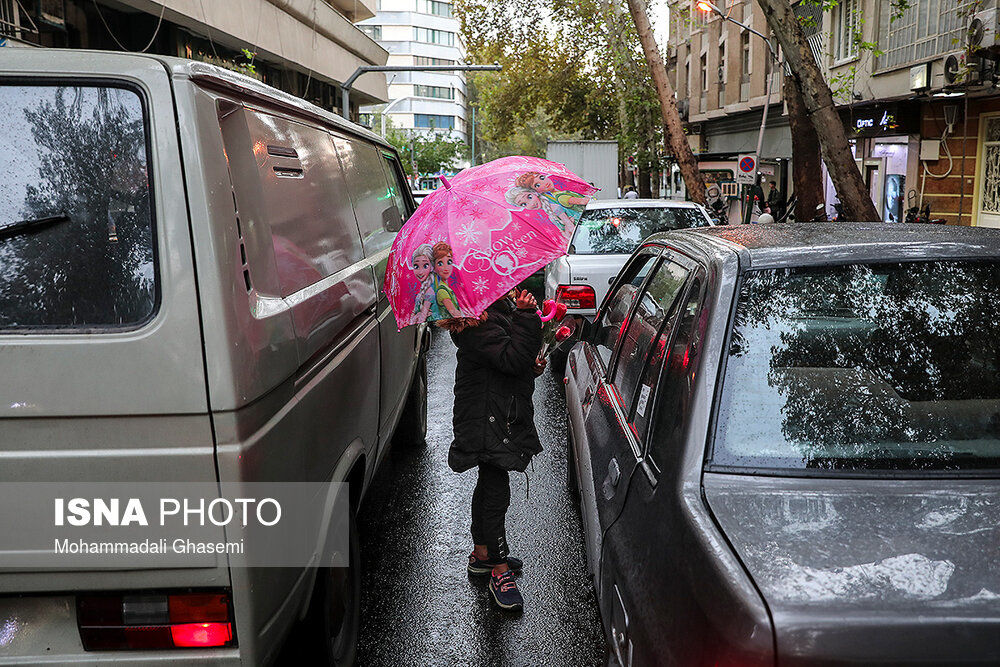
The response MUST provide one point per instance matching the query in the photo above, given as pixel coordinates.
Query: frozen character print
(553, 189)
(425, 306)
(531, 200)
(443, 267)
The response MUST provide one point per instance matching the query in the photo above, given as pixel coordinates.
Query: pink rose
(562, 334)
(560, 311)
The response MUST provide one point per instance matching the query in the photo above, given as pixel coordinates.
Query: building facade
(920, 104)
(304, 47)
(422, 33)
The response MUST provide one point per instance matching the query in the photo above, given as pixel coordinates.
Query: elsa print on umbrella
(556, 190)
(531, 200)
(425, 305)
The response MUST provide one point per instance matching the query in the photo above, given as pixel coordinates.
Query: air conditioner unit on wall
(982, 29)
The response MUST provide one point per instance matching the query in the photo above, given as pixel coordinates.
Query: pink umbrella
(480, 234)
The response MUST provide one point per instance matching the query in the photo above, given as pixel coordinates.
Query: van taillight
(576, 296)
(131, 622)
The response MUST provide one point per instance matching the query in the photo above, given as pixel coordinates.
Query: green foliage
(432, 152)
(571, 69)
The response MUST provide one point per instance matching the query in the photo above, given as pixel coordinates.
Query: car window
(673, 389)
(304, 196)
(616, 308)
(652, 309)
(397, 186)
(864, 367)
(621, 230)
(376, 198)
(77, 248)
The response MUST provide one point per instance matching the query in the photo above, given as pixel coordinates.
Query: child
(529, 199)
(545, 186)
(494, 425)
(445, 297)
(425, 304)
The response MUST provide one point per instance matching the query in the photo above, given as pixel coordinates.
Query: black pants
(490, 501)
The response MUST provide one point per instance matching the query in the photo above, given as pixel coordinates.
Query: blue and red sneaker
(480, 567)
(503, 588)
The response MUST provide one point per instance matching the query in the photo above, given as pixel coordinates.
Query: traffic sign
(746, 173)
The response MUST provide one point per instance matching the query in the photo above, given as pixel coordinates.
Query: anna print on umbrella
(444, 266)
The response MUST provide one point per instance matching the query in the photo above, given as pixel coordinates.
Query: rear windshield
(864, 367)
(76, 233)
(621, 230)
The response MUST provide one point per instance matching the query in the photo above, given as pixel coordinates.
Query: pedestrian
(630, 193)
(494, 425)
(776, 201)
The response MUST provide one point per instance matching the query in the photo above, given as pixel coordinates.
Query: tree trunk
(677, 140)
(644, 172)
(821, 110)
(807, 161)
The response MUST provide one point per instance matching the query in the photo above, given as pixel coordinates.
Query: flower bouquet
(556, 327)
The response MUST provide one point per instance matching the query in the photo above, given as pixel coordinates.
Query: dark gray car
(786, 442)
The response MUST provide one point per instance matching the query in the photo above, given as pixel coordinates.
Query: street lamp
(706, 6)
(348, 85)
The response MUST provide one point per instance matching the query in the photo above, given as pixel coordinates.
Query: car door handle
(614, 472)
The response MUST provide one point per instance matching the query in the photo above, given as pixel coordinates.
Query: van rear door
(100, 344)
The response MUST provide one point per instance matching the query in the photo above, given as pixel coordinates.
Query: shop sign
(881, 120)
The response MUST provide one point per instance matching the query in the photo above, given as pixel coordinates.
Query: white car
(607, 234)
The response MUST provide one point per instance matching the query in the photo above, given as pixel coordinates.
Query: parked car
(419, 195)
(786, 444)
(607, 234)
(191, 266)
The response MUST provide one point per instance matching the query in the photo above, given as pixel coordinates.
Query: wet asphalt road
(419, 606)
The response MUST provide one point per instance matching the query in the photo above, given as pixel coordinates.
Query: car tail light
(130, 622)
(576, 296)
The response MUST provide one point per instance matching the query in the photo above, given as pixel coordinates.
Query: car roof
(55, 60)
(640, 203)
(803, 244)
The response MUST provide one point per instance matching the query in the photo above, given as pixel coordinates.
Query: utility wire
(211, 42)
(159, 22)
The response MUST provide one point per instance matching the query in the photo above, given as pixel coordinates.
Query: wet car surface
(419, 606)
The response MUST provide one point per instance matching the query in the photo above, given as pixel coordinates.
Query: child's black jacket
(494, 382)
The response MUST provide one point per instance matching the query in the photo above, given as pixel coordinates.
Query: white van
(191, 270)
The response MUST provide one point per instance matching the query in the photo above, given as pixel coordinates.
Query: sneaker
(479, 567)
(504, 591)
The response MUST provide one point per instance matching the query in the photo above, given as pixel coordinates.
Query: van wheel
(412, 428)
(335, 612)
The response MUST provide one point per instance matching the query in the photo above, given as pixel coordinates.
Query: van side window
(77, 248)
(675, 384)
(398, 188)
(616, 308)
(305, 200)
(655, 306)
(373, 194)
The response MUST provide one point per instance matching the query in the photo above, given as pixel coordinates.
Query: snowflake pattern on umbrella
(480, 285)
(467, 244)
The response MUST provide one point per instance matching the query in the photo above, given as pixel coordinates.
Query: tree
(431, 152)
(821, 110)
(674, 128)
(806, 151)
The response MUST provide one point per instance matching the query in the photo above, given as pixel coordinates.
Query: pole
(748, 213)
(473, 160)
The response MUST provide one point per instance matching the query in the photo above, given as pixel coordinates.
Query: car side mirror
(586, 330)
(391, 219)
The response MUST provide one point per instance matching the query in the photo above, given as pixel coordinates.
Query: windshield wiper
(31, 225)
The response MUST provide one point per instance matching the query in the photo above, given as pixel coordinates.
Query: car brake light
(576, 296)
(131, 622)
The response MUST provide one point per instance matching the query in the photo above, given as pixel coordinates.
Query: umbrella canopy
(480, 234)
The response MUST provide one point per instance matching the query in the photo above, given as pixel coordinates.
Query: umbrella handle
(444, 182)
